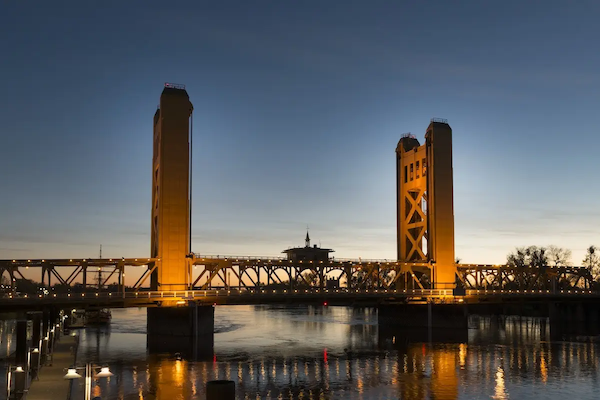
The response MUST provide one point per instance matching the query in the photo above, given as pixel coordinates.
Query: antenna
(100, 251)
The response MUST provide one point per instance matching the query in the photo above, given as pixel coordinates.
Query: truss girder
(415, 224)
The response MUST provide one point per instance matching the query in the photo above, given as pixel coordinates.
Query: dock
(50, 382)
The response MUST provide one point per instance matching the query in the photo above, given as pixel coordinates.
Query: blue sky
(298, 109)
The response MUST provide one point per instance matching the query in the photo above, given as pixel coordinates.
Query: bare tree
(531, 256)
(558, 257)
(524, 258)
(592, 262)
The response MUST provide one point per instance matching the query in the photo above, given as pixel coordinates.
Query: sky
(298, 107)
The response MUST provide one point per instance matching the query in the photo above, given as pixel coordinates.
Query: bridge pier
(573, 318)
(188, 330)
(424, 322)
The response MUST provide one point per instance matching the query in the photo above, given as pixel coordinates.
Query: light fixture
(19, 369)
(104, 373)
(72, 374)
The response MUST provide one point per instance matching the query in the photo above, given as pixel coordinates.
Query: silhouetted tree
(592, 262)
(526, 258)
(558, 257)
(532, 256)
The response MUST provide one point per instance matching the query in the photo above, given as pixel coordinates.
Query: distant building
(308, 253)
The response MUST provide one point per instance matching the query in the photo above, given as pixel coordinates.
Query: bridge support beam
(424, 322)
(188, 330)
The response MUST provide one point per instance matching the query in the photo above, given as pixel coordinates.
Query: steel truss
(68, 271)
(505, 277)
(251, 273)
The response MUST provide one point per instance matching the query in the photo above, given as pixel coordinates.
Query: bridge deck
(265, 296)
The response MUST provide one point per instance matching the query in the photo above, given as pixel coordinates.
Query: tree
(558, 257)
(592, 262)
(522, 260)
(532, 256)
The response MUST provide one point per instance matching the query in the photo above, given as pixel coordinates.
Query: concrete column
(21, 358)
(45, 332)
(425, 322)
(556, 320)
(220, 390)
(36, 336)
(187, 330)
(22, 345)
(36, 332)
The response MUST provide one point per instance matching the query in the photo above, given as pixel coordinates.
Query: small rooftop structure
(174, 86)
(308, 253)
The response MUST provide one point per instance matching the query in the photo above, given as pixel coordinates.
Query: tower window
(411, 171)
(424, 163)
(405, 173)
(417, 169)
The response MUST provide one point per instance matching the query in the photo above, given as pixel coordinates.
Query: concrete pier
(573, 319)
(188, 330)
(423, 322)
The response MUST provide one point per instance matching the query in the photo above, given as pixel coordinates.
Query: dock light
(104, 373)
(180, 302)
(71, 374)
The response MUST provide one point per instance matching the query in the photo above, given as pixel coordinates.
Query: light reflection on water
(339, 353)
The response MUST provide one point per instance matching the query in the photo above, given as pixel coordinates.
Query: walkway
(51, 384)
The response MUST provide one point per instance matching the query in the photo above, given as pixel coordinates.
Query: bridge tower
(425, 208)
(171, 233)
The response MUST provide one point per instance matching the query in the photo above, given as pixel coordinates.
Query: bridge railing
(337, 292)
(279, 258)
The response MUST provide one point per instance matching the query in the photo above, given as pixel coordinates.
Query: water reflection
(341, 353)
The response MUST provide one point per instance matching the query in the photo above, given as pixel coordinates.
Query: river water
(340, 353)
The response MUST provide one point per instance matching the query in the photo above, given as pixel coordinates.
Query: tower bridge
(173, 276)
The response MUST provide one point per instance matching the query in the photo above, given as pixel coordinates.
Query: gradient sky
(299, 106)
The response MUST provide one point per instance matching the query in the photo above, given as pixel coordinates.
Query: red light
(325, 355)
(214, 358)
(325, 303)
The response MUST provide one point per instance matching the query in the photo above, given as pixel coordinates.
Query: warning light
(325, 303)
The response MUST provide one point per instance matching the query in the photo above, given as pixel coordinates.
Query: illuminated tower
(171, 189)
(425, 209)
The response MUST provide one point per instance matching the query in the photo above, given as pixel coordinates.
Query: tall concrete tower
(171, 189)
(425, 205)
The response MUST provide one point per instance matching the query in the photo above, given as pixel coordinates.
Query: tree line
(553, 256)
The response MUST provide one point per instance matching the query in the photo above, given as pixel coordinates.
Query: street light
(89, 369)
